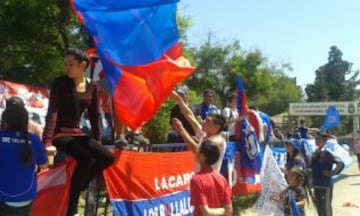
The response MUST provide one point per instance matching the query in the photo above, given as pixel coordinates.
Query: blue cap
(296, 143)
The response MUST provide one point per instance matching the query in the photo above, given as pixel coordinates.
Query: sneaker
(140, 139)
(121, 140)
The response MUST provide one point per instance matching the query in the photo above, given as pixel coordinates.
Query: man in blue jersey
(207, 107)
(322, 172)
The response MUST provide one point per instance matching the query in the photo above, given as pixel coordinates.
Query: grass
(241, 203)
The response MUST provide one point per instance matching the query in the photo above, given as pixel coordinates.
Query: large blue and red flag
(137, 43)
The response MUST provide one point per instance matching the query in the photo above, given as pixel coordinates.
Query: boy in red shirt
(210, 192)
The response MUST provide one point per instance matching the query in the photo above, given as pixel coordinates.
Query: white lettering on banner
(319, 108)
(13, 140)
(177, 208)
(170, 182)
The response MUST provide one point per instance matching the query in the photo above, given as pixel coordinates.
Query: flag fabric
(293, 206)
(252, 115)
(279, 154)
(273, 183)
(130, 32)
(165, 190)
(257, 123)
(241, 100)
(246, 138)
(141, 90)
(331, 119)
(250, 152)
(232, 169)
(53, 190)
(133, 39)
(267, 121)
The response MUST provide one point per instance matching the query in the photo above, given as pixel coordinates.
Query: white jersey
(230, 113)
(219, 140)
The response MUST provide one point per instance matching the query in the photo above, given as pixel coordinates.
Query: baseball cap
(183, 89)
(14, 101)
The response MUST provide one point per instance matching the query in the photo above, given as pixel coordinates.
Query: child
(21, 153)
(294, 158)
(297, 187)
(210, 192)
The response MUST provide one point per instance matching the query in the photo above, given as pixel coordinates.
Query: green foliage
(241, 203)
(330, 82)
(278, 96)
(34, 36)
(157, 128)
(218, 65)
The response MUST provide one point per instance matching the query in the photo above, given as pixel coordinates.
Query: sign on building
(319, 108)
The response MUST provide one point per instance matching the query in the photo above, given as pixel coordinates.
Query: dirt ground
(346, 190)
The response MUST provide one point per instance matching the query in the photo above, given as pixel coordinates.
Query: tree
(219, 64)
(330, 82)
(34, 36)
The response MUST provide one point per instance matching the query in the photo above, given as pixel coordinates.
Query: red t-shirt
(209, 187)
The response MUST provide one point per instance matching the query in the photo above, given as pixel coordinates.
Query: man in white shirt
(211, 129)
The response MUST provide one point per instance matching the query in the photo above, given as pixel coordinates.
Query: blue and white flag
(331, 119)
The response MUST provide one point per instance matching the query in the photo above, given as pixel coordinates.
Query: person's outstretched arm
(186, 111)
(179, 128)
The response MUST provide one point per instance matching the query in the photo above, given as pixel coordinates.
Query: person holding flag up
(210, 129)
(247, 138)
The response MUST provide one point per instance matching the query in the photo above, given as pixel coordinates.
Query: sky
(286, 31)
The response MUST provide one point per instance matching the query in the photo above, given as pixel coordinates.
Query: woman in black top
(70, 96)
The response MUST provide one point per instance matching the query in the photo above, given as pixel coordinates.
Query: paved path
(347, 189)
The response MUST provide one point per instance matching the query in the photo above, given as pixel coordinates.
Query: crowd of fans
(204, 128)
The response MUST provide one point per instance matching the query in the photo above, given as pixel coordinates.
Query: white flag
(273, 183)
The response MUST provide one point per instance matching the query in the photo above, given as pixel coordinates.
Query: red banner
(150, 183)
(53, 190)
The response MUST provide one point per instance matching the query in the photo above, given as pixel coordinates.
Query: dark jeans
(91, 159)
(323, 199)
(6, 210)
